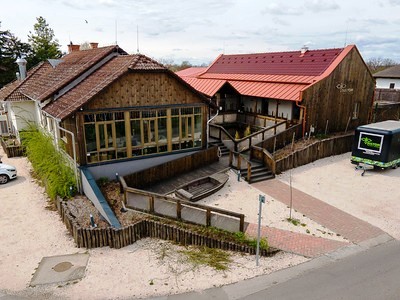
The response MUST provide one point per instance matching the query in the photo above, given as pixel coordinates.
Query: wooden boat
(201, 188)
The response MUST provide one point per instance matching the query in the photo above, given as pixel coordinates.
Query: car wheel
(3, 179)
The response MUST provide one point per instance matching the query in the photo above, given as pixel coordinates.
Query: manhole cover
(62, 266)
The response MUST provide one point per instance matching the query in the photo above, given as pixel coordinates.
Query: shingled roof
(277, 75)
(393, 72)
(96, 82)
(48, 78)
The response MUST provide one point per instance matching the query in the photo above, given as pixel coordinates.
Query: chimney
(303, 50)
(22, 67)
(72, 47)
(94, 45)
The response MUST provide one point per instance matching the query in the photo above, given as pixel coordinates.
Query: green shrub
(48, 163)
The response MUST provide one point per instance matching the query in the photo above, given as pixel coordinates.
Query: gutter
(304, 112)
(208, 126)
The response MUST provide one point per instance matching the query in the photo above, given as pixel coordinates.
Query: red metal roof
(261, 78)
(191, 72)
(279, 75)
(311, 63)
(281, 91)
(206, 86)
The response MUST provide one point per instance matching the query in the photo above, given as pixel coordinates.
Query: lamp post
(261, 200)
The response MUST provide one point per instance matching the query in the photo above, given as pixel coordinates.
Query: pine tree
(10, 49)
(43, 41)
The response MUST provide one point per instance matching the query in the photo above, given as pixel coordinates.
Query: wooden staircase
(222, 147)
(258, 173)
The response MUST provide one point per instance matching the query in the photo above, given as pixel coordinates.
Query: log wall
(145, 89)
(172, 168)
(320, 149)
(330, 102)
(118, 238)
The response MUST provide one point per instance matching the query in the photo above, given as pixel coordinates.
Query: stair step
(261, 178)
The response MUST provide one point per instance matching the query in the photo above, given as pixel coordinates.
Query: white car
(7, 173)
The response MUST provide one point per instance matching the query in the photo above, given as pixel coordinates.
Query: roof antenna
(137, 38)
(116, 40)
(347, 29)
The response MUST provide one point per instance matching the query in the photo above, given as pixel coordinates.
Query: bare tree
(377, 64)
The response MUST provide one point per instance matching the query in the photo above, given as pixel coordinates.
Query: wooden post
(179, 210)
(208, 216)
(151, 208)
(241, 226)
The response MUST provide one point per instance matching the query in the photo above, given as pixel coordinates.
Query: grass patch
(214, 258)
(49, 164)
(295, 222)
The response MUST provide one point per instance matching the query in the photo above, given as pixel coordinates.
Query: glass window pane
(102, 136)
(197, 127)
(162, 130)
(120, 134)
(106, 116)
(89, 118)
(135, 114)
(90, 137)
(136, 135)
(119, 115)
(148, 131)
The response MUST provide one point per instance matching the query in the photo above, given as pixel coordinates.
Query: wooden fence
(11, 150)
(118, 238)
(281, 139)
(172, 168)
(181, 210)
(320, 149)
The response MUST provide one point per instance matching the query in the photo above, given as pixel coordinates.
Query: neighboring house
(107, 106)
(387, 94)
(330, 89)
(388, 78)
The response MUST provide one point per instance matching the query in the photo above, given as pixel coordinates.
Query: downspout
(304, 111)
(74, 150)
(208, 126)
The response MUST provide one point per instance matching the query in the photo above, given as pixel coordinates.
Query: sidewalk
(348, 226)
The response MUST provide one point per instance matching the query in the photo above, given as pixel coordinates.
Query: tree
(43, 42)
(377, 64)
(10, 49)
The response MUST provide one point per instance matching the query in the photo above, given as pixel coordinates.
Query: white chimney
(22, 67)
(303, 50)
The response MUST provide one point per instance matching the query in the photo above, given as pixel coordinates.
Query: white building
(388, 78)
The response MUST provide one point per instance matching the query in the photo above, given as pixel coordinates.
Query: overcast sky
(198, 31)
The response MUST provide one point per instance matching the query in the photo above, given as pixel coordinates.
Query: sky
(198, 31)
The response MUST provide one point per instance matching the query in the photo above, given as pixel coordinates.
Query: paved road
(373, 274)
(358, 272)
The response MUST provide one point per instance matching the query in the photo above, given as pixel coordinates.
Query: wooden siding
(144, 89)
(135, 90)
(327, 104)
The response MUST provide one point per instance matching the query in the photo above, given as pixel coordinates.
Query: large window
(125, 134)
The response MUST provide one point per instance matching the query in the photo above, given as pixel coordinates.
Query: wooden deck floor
(167, 186)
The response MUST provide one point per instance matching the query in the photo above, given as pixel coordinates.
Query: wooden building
(327, 90)
(107, 106)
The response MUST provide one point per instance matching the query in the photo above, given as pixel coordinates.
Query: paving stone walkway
(298, 243)
(350, 227)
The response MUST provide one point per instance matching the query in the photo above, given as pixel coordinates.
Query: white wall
(285, 108)
(22, 114)
(384, 83)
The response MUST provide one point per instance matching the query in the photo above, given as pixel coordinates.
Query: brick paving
(298, 243)
(338, 221)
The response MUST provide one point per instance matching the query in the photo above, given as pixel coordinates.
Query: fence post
(151, 204)
(208, 216)
(178, 210)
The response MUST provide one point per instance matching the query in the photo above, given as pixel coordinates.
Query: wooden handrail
(249, 137)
